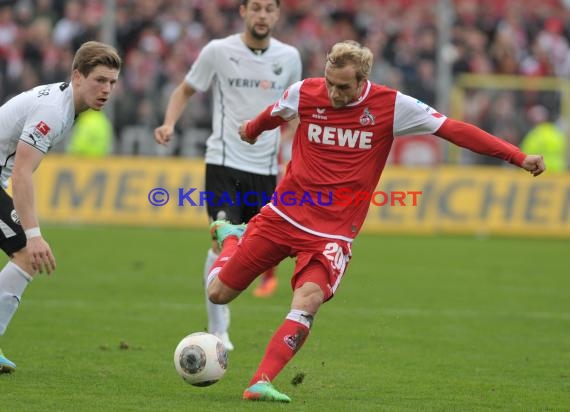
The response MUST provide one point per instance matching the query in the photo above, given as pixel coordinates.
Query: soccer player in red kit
(347, 126)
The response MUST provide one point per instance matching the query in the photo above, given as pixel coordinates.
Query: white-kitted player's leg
(218, 315)
(13, 282)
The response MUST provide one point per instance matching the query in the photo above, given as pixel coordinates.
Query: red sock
(281, 348)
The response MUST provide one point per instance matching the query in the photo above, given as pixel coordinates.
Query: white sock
(13, 282)
(300, 316)
(218, 315)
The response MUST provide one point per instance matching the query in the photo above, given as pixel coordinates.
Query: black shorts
(12, 236)
(236, 195)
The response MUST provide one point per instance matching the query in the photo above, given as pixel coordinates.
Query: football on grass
(201, 359)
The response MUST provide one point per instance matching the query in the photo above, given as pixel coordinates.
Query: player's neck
(258, 46)
(361, 90)
(78, 105)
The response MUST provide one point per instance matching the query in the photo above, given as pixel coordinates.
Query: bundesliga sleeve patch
(40, 131)
(42, 128)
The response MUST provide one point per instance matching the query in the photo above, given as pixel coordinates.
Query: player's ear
(76, 76)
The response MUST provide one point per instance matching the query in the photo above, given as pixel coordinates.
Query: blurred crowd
(159, 40)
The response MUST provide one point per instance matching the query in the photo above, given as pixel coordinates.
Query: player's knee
(313, 302)
(216, 296)
(22, 259)
(216, 292)
(220, 294)
(308, 297)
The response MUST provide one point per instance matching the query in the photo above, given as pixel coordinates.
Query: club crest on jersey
(277, 68)
(367, 118)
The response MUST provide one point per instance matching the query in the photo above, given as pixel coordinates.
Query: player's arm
(176, 105)
(26, 161)
(477, 140)
(285, 110)
(250, 130)
(413, 117)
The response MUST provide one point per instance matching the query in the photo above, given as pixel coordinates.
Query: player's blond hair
(92, 54)
(351, 52)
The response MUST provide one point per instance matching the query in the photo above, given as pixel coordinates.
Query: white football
(201, 359)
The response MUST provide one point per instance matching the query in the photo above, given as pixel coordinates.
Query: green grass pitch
(418, 324)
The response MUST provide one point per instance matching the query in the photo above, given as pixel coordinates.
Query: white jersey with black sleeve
(243, 84)
(40, 117)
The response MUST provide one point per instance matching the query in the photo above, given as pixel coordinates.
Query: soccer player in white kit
(246, 72)
(30, 124)
(347, 127)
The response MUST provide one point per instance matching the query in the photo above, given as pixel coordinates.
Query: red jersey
(339, 153)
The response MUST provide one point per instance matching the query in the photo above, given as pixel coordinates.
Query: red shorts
(269, 239)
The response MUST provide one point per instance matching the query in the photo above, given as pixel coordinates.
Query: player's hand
(163, 134)
(41, 257)
(534, 164)
(243, 136)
